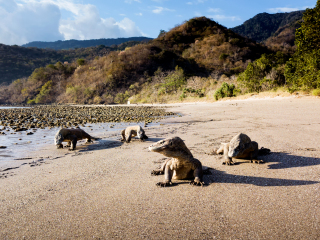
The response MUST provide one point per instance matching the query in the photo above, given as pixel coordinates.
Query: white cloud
(284, 9)
(196, 2)
(22, 23)
(214, 10)
(130, 1)
(159, 1)
(224, 18)
(40, 20)
(89, 25)
(159, 10)
(139, 14)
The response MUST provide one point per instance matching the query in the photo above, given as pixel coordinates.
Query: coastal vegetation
(198, 59)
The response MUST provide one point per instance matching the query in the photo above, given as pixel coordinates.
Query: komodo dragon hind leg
(73, 142)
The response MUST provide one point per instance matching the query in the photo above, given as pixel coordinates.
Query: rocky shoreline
(23, 119)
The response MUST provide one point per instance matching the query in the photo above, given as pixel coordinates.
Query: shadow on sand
(107, 144)
(281, 160)
(101, 144)
(222, 177)
(154, 139)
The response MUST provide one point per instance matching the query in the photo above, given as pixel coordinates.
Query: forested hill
(265, 25)
(18, 62)
(198, 47)
(72, 44)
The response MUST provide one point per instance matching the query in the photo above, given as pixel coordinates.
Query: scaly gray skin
(133, 131)
(182, 164)
(240, 147)
(71, 136)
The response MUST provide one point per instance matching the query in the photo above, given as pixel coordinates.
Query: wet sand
(105, 190)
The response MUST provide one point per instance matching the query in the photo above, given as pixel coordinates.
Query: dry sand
(105, 190)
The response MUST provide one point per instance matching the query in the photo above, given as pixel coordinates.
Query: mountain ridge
(264, 25)
(72, 43)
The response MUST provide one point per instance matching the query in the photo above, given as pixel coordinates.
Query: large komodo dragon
(182, 165)
(133, 131)
(241, 147)
(71, 136)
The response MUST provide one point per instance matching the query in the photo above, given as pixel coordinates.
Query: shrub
(182, 96)
(316, 92)
(223, 56)
(122, 97)
(80, 61)
(225, 90)
(44, 93)
(173, 81)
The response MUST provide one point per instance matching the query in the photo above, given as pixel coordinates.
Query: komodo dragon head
(58, 139)
(171, 147)
(238, 144)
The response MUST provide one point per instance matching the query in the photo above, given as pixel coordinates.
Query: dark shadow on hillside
(281, 160)
(222, 177)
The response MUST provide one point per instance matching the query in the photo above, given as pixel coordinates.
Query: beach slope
(105, 189)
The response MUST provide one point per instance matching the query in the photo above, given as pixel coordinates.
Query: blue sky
(23, 21)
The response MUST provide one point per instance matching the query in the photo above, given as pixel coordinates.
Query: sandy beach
(105, 190)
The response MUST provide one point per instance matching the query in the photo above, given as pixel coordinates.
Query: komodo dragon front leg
(197, 177)
(224, 149)
(168, 173)
(161, 170)
(254, 152)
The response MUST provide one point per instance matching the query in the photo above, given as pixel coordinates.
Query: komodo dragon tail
(264, 151)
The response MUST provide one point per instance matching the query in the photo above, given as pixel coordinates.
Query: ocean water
(19, 145)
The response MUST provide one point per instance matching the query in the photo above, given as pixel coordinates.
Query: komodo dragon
(182, 165)
(71, 136)
(241, 147)
(133, 131)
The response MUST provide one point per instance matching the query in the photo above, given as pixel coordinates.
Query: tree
(303, 69)
(162, 32)
(81, 61)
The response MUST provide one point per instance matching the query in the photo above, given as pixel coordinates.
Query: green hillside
(19, 62)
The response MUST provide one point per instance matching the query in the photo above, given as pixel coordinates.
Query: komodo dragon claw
(229, 162)
(157, 172)
(257, 161)
(164, 184)
(194, 183)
